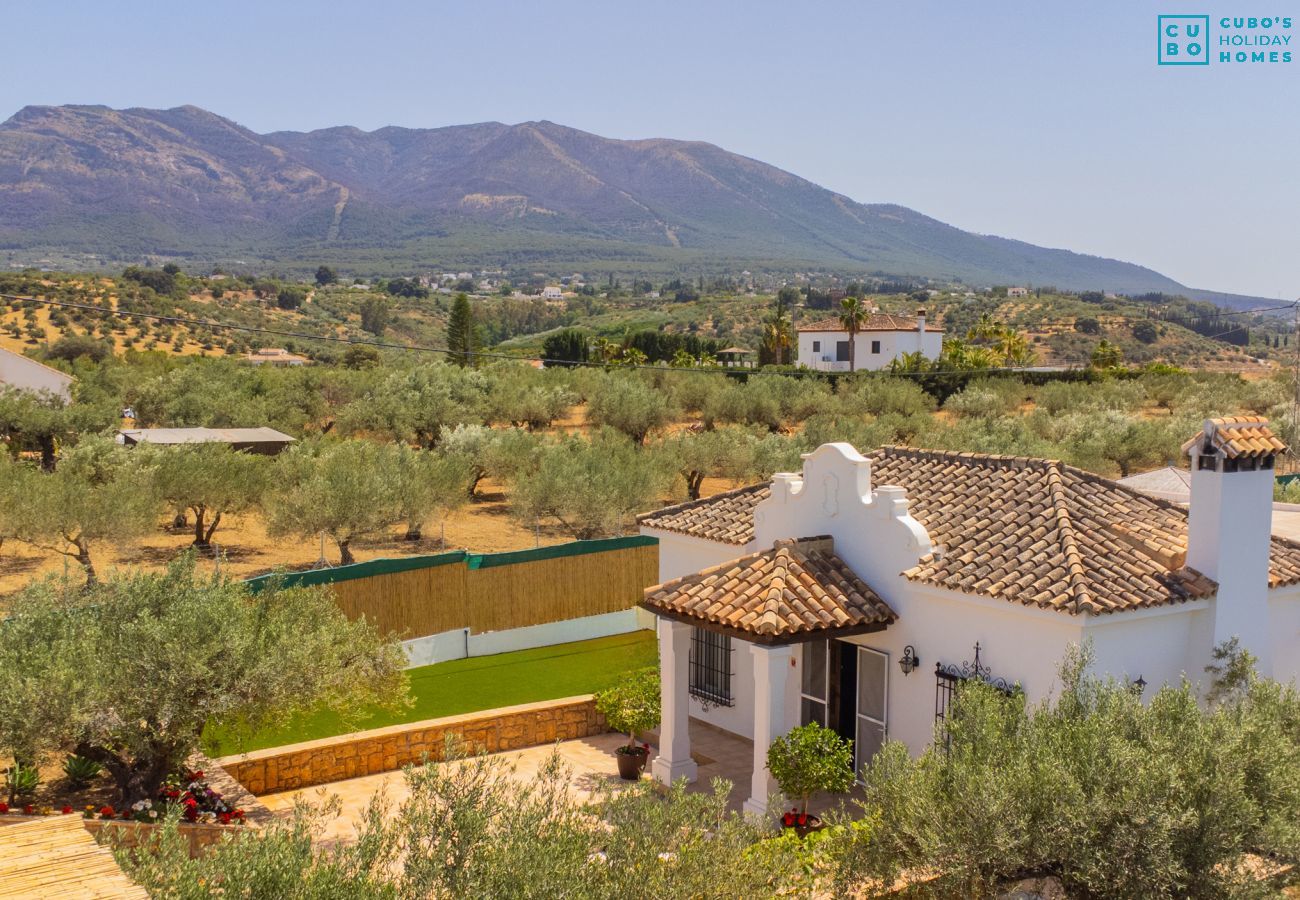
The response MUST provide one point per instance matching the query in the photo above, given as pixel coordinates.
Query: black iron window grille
(948, 678)
(710, 665)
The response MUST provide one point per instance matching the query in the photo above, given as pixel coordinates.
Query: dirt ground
(483, 526)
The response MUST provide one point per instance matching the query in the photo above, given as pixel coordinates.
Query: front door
(872, 713)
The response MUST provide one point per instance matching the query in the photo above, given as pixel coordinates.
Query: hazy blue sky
(1056, 127)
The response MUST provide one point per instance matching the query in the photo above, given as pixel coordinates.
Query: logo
(1186, 40)
(1183, 40)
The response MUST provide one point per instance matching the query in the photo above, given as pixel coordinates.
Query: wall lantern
(910, 660)
(1140, 685)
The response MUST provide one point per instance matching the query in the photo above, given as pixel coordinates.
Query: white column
(674, 759)
(771, 669)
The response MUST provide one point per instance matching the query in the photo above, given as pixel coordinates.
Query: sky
(1049, 122)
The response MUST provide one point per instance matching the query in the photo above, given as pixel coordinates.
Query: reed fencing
(424, 595)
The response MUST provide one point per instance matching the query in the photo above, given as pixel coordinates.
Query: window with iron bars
(710, 664)
(948, 679)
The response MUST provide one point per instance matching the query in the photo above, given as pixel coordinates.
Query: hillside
(122, 184)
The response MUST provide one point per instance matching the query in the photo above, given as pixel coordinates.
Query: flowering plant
(197, 800)
(4, 807)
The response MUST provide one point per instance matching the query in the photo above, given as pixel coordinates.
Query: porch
(786, 609)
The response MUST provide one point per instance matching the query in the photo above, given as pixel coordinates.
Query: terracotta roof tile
(727, 518)
(1030, 531)
(1237, 436)
(786, 593)
(873, 322)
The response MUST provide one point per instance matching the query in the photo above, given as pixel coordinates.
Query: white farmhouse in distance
(883, 338)
(1017, 292)
(552, 292)
(860, 592)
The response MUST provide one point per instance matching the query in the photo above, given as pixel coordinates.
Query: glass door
(814, 683)
(873, 705)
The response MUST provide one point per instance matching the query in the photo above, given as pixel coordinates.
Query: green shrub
(810, 759)
(632, 705)
(80, 770)
(21, 781)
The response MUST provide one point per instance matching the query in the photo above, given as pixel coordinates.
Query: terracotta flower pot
(631, 762)
(803, 825)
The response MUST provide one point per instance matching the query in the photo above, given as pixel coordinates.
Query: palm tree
(777, 337)
(853, 312)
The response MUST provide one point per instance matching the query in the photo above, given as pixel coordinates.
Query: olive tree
(591, 487)
(211, 481)
(721, 453)
(428, 484)
(345, 489)
(417, 404)
(100, 492)
(151, 659)
(628, 404)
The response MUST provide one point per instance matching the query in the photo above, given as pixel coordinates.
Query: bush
(1115, 797)
(21, 781)
(811, 759)
(80, 770)
(632, 705)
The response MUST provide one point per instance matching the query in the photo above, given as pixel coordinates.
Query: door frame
(857, 706)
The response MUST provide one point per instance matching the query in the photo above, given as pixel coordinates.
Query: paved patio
(717, 753)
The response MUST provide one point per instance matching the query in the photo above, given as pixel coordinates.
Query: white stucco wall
(461, 642)
(893, 344)
(1284, 620)
(29, 375)
(876, 536)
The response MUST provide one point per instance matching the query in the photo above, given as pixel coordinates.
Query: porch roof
(795, 591)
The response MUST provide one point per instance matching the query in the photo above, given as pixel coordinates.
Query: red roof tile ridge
(703, 501)
(1081, 597)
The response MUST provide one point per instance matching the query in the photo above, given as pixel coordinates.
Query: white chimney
(1229, 525)
(920, 321)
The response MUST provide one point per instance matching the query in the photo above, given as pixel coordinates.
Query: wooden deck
(54, 856)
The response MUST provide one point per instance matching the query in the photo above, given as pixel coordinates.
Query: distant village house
(881, 339)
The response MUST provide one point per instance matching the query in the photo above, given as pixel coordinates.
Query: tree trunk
(200, 533)
(207, 538)
(412, 532)
(853, 350)
(345, 552)
(83, 557)
(47, 452)
(694, 480)
(135, 779)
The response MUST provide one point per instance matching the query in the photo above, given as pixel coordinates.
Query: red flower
(190, 802)
(803, 819)
(28, 810)
(67, 810)
(106, 812)
(224, 818)
(787, 819)
(4, 808)
(126, 814)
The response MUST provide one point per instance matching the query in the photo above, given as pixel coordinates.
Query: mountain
(187, 183)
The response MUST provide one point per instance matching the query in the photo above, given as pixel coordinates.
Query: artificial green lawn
(470, 685)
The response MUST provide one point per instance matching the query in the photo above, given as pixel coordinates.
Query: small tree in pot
(807, 760)
(631, 706)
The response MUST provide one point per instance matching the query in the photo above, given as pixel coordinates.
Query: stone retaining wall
(386, 749)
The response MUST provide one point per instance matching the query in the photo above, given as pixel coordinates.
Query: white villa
(860, 592)
(882, 338)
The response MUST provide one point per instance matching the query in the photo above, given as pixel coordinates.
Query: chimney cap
(1236, 437)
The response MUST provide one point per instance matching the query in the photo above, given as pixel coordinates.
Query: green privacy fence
(421, 595)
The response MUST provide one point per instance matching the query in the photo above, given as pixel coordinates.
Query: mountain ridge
(187, 182)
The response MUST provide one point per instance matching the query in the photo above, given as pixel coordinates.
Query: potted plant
(631, 706)
(807, 760)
